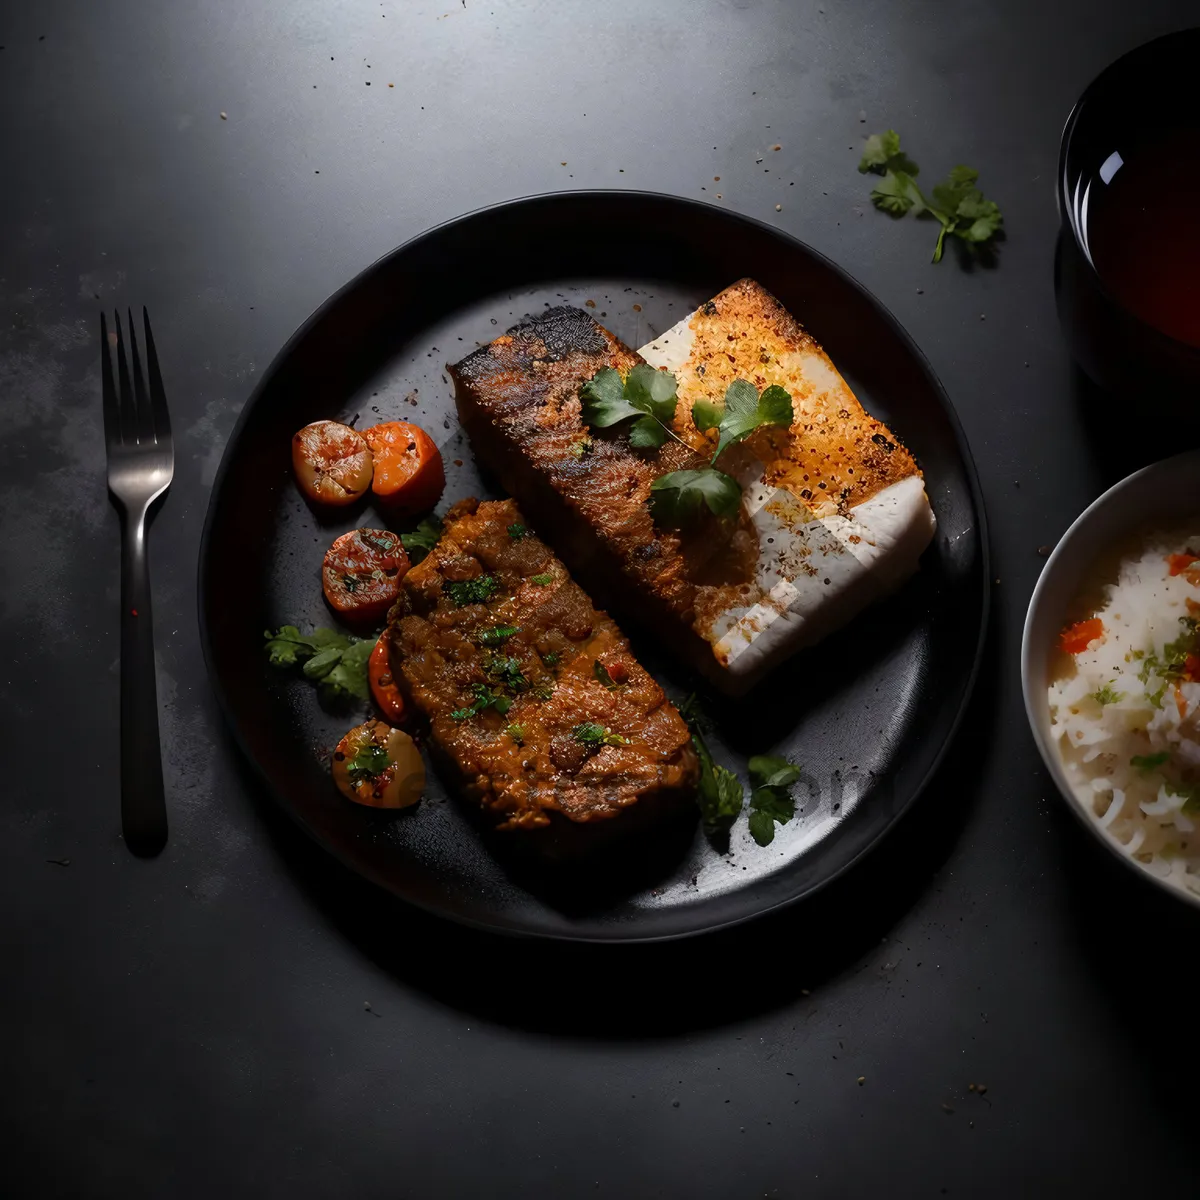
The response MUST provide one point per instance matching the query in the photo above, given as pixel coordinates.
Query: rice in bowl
(1125, 706)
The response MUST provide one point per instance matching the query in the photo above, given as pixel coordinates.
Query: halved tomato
(332, 463)
(409, 475)
(362, 572)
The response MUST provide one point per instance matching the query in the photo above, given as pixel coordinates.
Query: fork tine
(158, 394)
(145, 420)
(129, 421)
(112, 409)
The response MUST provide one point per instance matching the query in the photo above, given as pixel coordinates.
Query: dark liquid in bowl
(1144, 236)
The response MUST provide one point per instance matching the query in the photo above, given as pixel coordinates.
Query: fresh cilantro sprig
(336, 662)
(958, 205)
(370, 761)
(1107, 695)
(591, 734)
(421, 540)
(720, 794)
(771, 803)
(484, 698)
(648, 398)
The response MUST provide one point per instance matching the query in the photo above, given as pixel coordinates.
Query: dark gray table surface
(196, 1025)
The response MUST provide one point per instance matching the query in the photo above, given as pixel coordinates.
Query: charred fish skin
(536, 708)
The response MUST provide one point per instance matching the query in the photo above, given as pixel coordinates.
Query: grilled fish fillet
(834, 510)
(491, 613)
(838, 505)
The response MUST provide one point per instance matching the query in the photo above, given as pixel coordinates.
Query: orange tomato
(383, 686)
(332, 463)
(1180, 562)
(362, 572)
(1078, 637)
(409, 475)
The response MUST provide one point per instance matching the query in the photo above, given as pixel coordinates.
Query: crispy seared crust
(539, 779)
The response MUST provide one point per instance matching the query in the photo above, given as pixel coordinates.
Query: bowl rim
(1062, 189)
(1034, 694)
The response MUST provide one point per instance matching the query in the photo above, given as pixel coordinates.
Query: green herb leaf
(746, 411)
(768, 770)
(351, 584)
(1107, 695)
(1147, 762)
(471, 591)
(371, 760)
(882, 153)
(349, 675)
(581, 448)
(1191, 792)
(646, 394)
(542, 580)
(506, 672)
(484, 698)
(652, 391)
(498, 634)
(421, 540)
(337, 661)
(517, 531)
(591, 734)
(706, 415)
(646, 434)
(542, 690)
(603, 400)
(321, 663)
(551, 659)
(601, 673)
(289, 646)
(679, 496)
(516, 732)
(897, 194)
(720, 794)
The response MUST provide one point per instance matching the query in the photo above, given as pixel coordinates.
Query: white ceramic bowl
(1157, 496)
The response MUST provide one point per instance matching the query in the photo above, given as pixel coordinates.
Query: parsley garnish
(506, 672)
(958, 205)
(1147, 762)
(498, 634)
(542, 690)
(581, 448)
(1173, 663)
(542, 580)
(371, 760)
(1107, 695)
(421, 540)
(601, 673)
(1191, 794)
(471, 591)
(335, 661)
(771, 801)
(517, 531)
(516, 732)
(551, 659)
(648, 397)
(351, 584)
(591, 734)
(484, 698)
(720, 794)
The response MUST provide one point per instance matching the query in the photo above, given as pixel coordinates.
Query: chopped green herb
(385, 543)
(498, 634)
(1191, 794)
(1156, 698)
(771, 801)
(542, 580)
(471, 591)
(679, 496)
(601, 673)
(371, 760)
(421, 540)
(484, 698)
(1173, 663)
(542, 690)
(591, 734)
(551, 659)
(351, 584)
(582, 447)
(645, 394)
(1147, 762)
(516, 732)
(336, 661)
(517, 531)
(506, 672)
(958, 205)
(720, 794)
(1107, 695)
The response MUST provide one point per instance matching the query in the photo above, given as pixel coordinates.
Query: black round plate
(868, 713)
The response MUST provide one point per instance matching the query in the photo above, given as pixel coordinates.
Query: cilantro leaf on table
(421, 540)
(957, 204)
(337, 662)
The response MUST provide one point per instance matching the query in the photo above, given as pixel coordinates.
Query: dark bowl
(1144, 95)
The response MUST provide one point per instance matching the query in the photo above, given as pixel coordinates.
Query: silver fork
(141, 462)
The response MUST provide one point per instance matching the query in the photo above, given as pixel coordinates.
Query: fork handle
(143, 807)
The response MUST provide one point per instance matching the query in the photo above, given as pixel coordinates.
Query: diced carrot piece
(1180, 702)
(1078, 637)
(1191, 668)
(1178, 563)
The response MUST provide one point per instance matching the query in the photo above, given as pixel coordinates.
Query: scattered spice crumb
(946, 1108)
(458, 462)
(805, 992)
(776, 147)
(716, 179)
(779, 208)
(920, 291)
(861, 1080)
(590, 303)
(367, 1008)
(983, 316)
(59, 862)
(391, 85)
(718, 195)
(637, 308)
(674, 1103)
(224, 117)
(981, 1088)
(970, 1087)
(1044, 551)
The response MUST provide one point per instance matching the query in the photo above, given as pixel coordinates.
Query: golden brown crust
(836, 454)
(440, 657)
